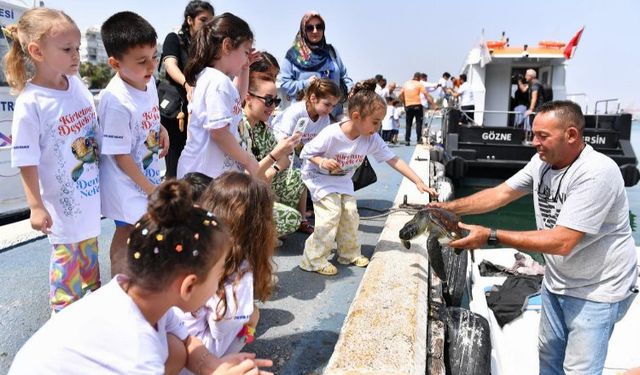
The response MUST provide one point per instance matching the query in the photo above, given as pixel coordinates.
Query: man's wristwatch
(493, 237)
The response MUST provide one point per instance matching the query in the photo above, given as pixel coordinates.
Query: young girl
(175, 258)
(320, 98)
(54, 145)
(228, 320)
(330, 160)
(220, 49)
(391, 119)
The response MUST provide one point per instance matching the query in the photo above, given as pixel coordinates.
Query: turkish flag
(570, 49)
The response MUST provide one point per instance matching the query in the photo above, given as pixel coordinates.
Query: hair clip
(206, 223)
(209, 214)
(138, 224)
(195, 253)
(196, 236)
(128, 240)
(159, 237)
(145, 231)
(179, 248)
(156, 250)
(196, 205)
(136, 255)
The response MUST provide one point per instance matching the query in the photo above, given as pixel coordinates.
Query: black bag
(364, 175)
(170, 100)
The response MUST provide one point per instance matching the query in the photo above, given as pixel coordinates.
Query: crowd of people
(190, 255)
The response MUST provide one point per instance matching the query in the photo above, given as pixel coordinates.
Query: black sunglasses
(268, 100)
(317, 27)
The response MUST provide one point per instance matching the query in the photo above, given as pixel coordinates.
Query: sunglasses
(268, 100)
(317, 27)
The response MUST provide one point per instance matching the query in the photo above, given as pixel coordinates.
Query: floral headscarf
(305, 55)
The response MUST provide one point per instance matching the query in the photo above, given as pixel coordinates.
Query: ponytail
(15, 61)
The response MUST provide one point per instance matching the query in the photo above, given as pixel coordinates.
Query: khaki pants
(337, 220)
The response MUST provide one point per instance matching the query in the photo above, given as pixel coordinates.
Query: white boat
(494, 146)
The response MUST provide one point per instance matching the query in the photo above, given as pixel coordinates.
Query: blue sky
(397, 38)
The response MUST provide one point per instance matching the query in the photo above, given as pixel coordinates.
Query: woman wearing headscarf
(175, 52)
(312, 57)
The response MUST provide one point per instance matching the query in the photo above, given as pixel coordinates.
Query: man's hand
(478, 237)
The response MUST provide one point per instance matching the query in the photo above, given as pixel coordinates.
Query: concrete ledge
(385, 331)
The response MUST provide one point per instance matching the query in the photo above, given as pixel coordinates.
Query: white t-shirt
(284, 124)
(130, 124)
(587, 196)
(220, 337)
(332, 143)
(103, 333)
(56, 130)
(466, 94)
(215, 104)
(391, 118)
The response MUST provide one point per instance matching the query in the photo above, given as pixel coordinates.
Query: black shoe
(408, 144)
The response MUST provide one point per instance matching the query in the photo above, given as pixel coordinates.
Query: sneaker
(407, 143)
(360, 261)
(305, 227)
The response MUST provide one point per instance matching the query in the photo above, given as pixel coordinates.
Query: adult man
(467, 105)
(583, 231)
(536, 91)
(410, 96)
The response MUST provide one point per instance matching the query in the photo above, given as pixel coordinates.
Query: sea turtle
(449, 265)
(440, 223)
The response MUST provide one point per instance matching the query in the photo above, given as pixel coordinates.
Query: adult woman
(311, 57)
(286, 184)
(174, 58)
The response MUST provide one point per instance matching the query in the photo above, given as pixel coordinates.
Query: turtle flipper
(77, 171)
(434, 251)
(407, 244)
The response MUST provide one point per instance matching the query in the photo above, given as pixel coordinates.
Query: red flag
(570, 49)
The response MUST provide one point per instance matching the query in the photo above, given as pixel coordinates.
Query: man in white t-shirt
(465, 96)
(582, 216)
(131, 131)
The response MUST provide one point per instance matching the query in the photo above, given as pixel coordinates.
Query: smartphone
(301, 125)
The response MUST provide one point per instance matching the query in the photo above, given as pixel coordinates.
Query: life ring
(495, 44)
(551, 44)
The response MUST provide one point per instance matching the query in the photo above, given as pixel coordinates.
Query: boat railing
(606, 108)
(585, 101)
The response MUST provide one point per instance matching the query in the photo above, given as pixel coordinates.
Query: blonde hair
(32, 26)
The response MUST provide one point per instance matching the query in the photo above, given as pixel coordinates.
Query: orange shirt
(412, 90)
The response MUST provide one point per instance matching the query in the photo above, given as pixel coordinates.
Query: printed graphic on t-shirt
(550, 204)
(151, 125)
(81, 125)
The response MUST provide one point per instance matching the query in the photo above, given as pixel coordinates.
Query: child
(228, 320)
(221, 48)
(320, 98)
(54, 145)
(130, 124)
(330, 160)
(390, 120)
(175, 258)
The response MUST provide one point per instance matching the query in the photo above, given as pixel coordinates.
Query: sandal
(359, 261)
(305, 227)
(328, 270)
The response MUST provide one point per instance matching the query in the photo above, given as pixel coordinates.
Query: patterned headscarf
(305, 55)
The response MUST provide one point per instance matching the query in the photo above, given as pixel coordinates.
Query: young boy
(130, 122)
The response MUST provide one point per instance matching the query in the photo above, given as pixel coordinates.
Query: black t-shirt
(520, 98)
(536, 86)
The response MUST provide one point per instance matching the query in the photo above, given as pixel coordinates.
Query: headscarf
(305, 55)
